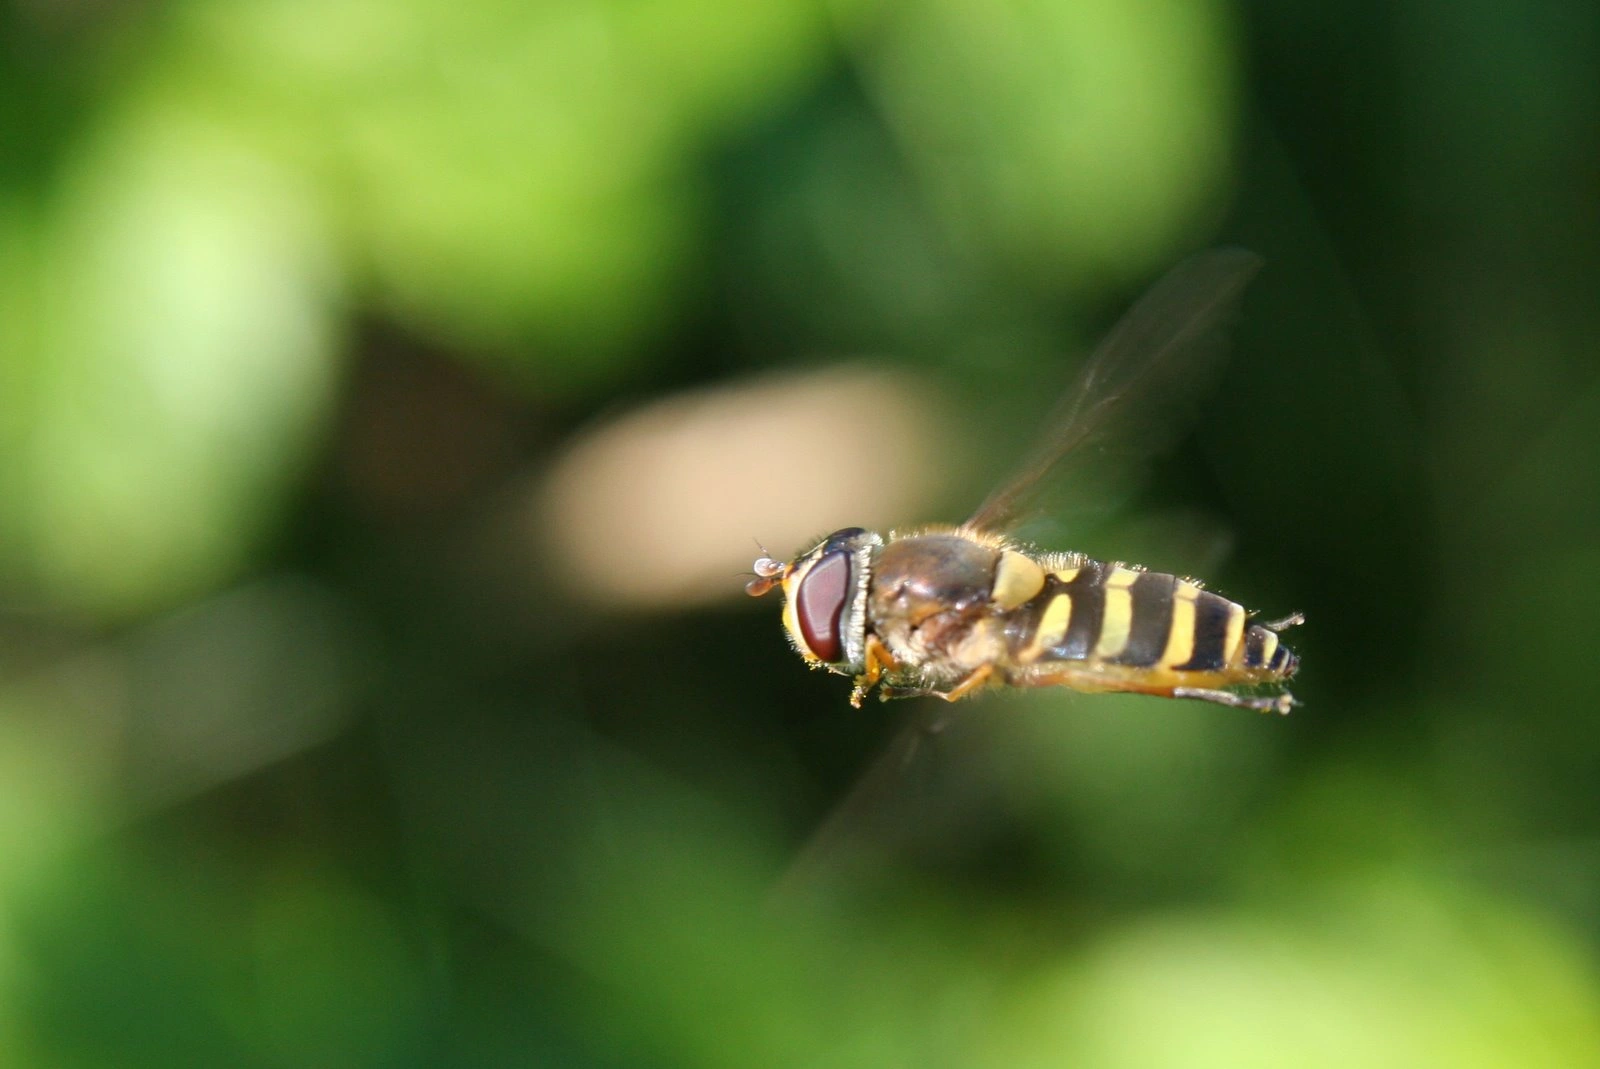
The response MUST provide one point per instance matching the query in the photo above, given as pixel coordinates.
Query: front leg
(878, 661)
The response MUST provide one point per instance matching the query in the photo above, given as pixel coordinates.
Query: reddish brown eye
(819, 603)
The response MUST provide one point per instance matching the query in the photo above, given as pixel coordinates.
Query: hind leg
(1274, 703)
(1101, 682)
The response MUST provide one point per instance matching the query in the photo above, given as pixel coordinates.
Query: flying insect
(948, 611)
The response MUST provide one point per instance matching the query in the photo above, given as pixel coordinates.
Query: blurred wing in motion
(1132, 392)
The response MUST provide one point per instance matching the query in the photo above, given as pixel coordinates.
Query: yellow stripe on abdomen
(1180, 635)
(1233, 643)
(1116, 619)
(1053, 624)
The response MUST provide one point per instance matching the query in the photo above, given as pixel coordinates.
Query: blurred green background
(390, 394)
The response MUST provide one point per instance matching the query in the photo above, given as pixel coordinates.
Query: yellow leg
(1095, 682)
(878, 661)
(964, 686)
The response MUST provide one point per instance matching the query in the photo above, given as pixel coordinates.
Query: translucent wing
(1129, 392)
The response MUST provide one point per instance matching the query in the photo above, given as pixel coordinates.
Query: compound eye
(819, 603)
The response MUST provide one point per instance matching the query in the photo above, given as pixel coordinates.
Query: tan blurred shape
(663, 505)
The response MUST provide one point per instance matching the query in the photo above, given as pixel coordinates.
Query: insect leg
(1294, 619)
(969, 683)
(1062, 675)
(1277, 703)
(964, 686)
(878, 661)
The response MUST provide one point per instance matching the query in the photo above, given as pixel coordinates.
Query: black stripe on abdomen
(1152, 620)
(1088, 606)
(1211, 616)
(1255, 646)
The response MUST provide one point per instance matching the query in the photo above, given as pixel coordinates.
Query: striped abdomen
(1114, 615)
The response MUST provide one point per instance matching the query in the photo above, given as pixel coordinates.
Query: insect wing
(1131, 392)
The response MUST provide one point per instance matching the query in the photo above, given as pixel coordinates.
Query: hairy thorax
(930, 598)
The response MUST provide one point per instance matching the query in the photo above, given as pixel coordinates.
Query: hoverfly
(947, 611)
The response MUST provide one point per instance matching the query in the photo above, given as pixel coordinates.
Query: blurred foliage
(306, 758)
